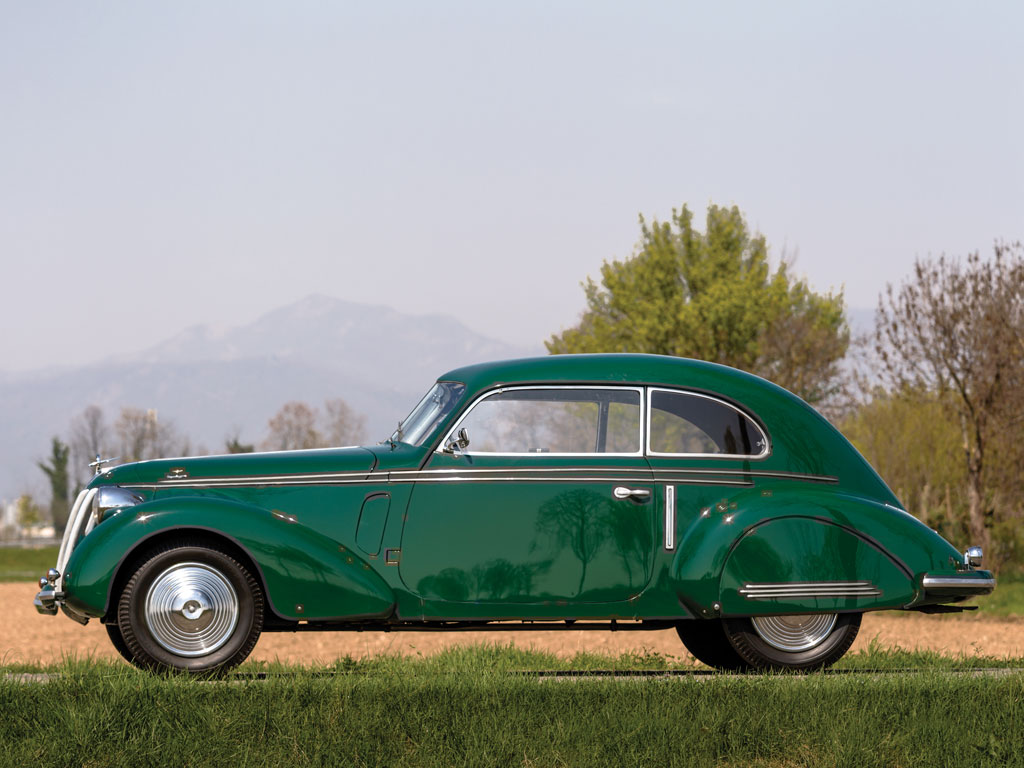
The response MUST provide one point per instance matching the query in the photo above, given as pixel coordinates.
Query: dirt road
(28, 637)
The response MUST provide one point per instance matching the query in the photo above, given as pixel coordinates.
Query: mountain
(212, 382)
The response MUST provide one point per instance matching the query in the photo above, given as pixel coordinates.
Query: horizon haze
(182, 164)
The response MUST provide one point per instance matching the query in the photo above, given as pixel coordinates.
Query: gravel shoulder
(29, 638)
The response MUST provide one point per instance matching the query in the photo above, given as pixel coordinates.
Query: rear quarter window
(693, 424)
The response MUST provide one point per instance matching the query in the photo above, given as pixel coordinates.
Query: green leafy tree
(56, 471)
(28, 512)
(913, 438)
(713, 296)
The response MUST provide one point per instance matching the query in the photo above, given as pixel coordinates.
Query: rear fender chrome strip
(802, 589)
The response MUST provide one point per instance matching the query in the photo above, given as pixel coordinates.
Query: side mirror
(458, 443)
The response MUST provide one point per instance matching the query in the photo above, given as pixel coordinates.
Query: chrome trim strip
(171, 482)
(383, 478)
(736, 477)
(754, 456)
(798, 589)
(459, 470)
(498, 390)
(955, 582)
(670, 517)
(753, 472)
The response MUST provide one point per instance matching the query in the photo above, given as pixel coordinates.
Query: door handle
(637, 494)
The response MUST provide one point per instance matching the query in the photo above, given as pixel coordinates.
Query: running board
(461, 626)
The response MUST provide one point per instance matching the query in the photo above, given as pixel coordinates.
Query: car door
(550, 502)
(700, 448)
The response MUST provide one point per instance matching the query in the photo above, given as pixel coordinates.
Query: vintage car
(615, 492)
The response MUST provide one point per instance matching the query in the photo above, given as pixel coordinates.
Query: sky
(165, 165)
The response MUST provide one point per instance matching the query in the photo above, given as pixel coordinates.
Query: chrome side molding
(802, 589)
(670, 517)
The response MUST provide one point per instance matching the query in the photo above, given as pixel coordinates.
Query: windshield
(425, 417)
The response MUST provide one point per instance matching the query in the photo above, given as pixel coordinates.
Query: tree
(713, 296)
(298, 425)
(233, 443)
(343, 426)
(910, 437)
(135, 428)
(143, 436)
(56, 472)
(956, 329)
(293, 427)
(28, 512)
(88, 440)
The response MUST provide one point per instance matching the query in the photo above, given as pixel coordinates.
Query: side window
(688, 423)
(570, 420)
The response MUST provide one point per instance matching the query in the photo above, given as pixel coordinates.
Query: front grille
(74, 531)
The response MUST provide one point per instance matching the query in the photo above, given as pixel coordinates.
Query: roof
(619, 368)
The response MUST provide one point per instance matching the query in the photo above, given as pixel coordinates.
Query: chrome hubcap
(794, 633)
(191, 609)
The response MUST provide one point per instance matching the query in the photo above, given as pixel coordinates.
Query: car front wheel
(190, 606)
(808, 641)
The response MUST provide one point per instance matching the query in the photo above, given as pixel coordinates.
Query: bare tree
(233, 442)
(293, 427)
(343, 426)
(89, 438)
(956, 329)
(143, 436)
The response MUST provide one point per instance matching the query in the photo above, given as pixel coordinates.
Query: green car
(614, 492)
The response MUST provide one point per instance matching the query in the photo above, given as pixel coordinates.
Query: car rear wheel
(807, 641)
(190, 606)
(706, 640)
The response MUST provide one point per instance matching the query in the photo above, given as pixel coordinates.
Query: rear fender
(795, 535)
(307, 576)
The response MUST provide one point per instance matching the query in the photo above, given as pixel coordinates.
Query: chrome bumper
(968, 584)
(47, 600)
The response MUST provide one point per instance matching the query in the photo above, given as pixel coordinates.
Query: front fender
(307, 576)
(803, 535)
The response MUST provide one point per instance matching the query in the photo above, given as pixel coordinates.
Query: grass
(1008, 597)
(23, 564)
(473, 707)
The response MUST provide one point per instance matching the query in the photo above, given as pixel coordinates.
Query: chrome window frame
(499, 390)
(689, 393)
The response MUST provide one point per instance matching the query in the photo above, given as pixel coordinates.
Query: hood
(243, 465)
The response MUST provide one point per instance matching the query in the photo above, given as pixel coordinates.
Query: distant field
(476, 707)
(17, 564)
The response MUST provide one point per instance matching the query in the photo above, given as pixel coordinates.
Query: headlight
(112, 497)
